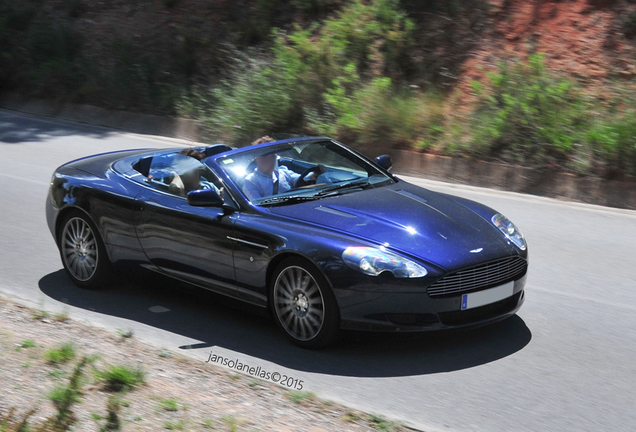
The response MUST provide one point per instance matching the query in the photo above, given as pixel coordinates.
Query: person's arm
(206, 184)
(176, 185)
(290, 175)
(293, 177)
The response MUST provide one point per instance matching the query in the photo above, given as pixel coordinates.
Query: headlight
(509, 230)
(374, 261)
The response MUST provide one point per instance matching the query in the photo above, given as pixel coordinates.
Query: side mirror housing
(204, 198)
(385, 162)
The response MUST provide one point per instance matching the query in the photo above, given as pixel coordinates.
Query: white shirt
(258, 185)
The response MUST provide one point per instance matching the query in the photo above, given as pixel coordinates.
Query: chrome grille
(479, 277)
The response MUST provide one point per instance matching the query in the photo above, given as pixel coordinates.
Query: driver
(268, 179)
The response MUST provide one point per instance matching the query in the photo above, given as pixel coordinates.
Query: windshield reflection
(295, 172)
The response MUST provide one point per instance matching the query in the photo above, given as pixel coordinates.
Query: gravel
(207, 397)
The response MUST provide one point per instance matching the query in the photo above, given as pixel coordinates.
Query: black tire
(303, 304)
(83, 252)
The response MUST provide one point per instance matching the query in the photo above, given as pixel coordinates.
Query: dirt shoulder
(178, 393)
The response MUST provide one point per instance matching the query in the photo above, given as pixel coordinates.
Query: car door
(187, 242)
(254, 245)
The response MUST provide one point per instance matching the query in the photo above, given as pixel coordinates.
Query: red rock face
(582, 38)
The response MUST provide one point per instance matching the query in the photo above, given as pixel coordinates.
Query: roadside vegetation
(376, 74)
(111, 391)
(529, 115)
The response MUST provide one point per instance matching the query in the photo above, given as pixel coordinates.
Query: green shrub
(379, 112)
(169, 405)
(165, 353)
(319, 79)
(62, 354)
(381, 29)
(528, 115)
(231, 422)
(125, 334)
(344, 76)
(113, 422)
(118, 378)
(57, 374)
(298, 397)
(65, 397)
(258, 99)
(174, 425)
(535, 117)
(615, 143)
(27, 343)
(40, 314)
(379, 423)
(378, 46)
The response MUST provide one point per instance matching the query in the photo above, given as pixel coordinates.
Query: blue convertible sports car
(323, 237)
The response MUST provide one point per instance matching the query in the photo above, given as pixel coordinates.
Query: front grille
(479, 277)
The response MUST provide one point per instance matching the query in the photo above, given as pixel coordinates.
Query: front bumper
(413, 312)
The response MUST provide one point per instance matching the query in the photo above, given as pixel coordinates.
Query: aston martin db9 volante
(308, 228)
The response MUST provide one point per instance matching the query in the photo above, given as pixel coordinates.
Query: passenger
(193, 153)
(268, 179)
(192, 179)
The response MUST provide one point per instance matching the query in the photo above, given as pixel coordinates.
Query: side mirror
(204, 198)
(385, 162)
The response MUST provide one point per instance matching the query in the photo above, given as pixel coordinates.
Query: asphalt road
(564, 363)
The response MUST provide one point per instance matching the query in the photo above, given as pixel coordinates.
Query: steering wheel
(318, 169)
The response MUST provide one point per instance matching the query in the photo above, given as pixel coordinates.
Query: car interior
(143, 164)
(164, 173)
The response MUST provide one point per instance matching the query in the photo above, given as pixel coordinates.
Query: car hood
(409, 219)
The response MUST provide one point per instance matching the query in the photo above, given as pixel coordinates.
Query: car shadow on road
(216, 321)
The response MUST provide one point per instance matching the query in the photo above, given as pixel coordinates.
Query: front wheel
(303, 305)
(83, 253)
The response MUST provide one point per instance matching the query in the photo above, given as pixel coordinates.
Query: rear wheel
(83, 253)
(303, 305)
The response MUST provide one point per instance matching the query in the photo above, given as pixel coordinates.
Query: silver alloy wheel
(79, 249)
(299, 304)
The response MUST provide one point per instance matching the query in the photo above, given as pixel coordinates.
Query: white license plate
(491, 295)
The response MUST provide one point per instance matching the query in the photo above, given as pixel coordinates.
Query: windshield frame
(366, 164)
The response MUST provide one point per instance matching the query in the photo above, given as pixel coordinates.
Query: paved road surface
(565, 363)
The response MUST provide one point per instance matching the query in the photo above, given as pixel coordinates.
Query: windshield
(293, 172)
